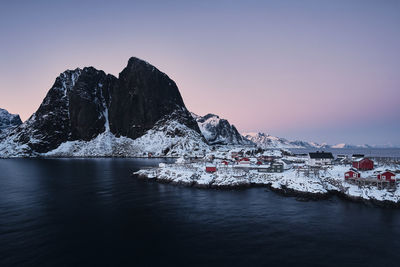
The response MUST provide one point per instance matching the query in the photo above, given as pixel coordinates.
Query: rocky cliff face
(219, 131)
(75, 108)
(84, 103)
(8, 121)
(141, 97)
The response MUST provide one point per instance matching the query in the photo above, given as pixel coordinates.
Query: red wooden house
(363, 164)
(211, 169)
(244, 161)
(224, 162)
(351, 174)
(387, 176)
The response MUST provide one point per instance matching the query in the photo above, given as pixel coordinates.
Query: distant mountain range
(219, 131)
(268, 141)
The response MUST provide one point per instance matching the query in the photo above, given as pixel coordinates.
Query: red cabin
(387, 176)
(259, 163)
(244, 159)
(351, 174)
(211, 169)
(224, 162)
(364, 164)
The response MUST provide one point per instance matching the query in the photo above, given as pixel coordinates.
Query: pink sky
(317, 71)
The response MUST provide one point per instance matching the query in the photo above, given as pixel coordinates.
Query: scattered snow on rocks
(268, 141)
(219, 131)
(332, 180)
(173, 139)
(8, 121)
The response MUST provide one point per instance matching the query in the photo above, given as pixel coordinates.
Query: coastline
(306, 189)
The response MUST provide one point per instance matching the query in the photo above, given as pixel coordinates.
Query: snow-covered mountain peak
(268, 141)
(254, 134)
(209, 119)
(8, 120)
(219, 131)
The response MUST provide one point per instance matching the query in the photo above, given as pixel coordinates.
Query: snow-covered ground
(329, 181)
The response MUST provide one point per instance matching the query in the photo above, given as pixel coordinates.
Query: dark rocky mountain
(84, 103)
(219, 131)
(142, 96)
(8, 121)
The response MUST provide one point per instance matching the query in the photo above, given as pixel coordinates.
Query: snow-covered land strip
(227, 177)
(289, 182)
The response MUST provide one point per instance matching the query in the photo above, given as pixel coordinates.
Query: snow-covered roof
(272, 153)
(361, 159)
(353, 170)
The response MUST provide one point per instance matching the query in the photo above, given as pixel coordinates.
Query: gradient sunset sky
(324, 71)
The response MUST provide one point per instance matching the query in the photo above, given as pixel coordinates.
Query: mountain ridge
(218, 131)
(8, 122)
(84, 103)
(268, 141)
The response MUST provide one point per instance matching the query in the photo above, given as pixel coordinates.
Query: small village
(361, 170)
(313, 173)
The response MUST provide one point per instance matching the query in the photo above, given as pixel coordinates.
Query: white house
(319, 158)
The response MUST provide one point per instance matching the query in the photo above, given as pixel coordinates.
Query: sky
(323, 71)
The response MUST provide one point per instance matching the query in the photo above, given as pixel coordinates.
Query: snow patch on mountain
(169, 138)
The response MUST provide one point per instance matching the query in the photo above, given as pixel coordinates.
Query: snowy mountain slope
(167, 138)
(219, 131)
(267, 141)
(8, 121)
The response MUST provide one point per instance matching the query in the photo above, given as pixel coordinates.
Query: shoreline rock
(283, 190)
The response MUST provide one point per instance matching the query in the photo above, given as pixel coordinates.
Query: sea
(95, 212)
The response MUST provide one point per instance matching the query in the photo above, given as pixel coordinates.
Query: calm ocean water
(92, 212)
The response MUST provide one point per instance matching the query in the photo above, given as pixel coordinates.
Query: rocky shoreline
(154, 174)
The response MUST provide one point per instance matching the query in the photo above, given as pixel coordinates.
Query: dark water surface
(92, 212)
